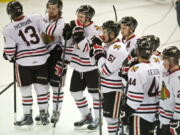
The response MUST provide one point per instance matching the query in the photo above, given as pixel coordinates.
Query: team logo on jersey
(165, 94)
(97, 27)
(116, 47)
(156, 60)
(134, 68)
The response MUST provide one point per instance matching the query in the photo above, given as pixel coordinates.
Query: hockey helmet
(172, 53)
(144, 47)
(14, 9)
(155, 41)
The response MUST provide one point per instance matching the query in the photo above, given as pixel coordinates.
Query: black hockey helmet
(172, 53)
(14, 9)
(59, 3)
(144, 47)
(87, 10)
(111, 26)
(129, 21)
(155, 41)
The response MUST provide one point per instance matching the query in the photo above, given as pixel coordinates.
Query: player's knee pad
(111, 120)
(95, 96)
(77, 95)
(41, 89)
(56, 89)
(26, 90)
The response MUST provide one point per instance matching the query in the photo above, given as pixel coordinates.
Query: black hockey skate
(26, 121)
(85, 120)
(44, 117)
(55, 117)
(38, 119)
(94, 124)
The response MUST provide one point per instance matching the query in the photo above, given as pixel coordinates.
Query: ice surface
(146, 11)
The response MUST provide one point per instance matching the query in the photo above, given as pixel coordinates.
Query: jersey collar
(19, 19)
(131, 37)
(174, 70)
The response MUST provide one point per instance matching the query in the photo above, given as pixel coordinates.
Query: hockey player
(55, 25)
(109, 60)
(24, 46)
(156, 55)
(85, 72)
(128, 26)
(143, 86)
(170, 93)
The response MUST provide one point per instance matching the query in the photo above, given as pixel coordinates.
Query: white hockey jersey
(170, 98)
(142, 95)
(78, 54)
(23, 41)
(109, 67)
(130, 43)
(55, 30)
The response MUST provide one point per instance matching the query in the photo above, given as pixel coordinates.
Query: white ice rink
(147, 12)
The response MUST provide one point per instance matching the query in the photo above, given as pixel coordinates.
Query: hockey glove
(128, 112)
(67, 31)
(78, 34)
(98, 52)
(97, 40)
(164, 130)
(59, 70)
(124, 73)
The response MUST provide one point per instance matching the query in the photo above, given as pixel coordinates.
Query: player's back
(143, 89)
(24, 34)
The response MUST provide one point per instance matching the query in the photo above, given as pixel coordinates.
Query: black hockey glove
(124, 73)
(56, 52)
(95, 40)
(98, 52)
(164, 130)
(128, 112)
(67, 31)
(78, 34)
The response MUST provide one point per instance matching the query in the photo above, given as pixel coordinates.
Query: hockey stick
(115, 13)
(100, 113)
(123, 101)
(6, 88)
(60, 82)
(15, 106)
(100, 109)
